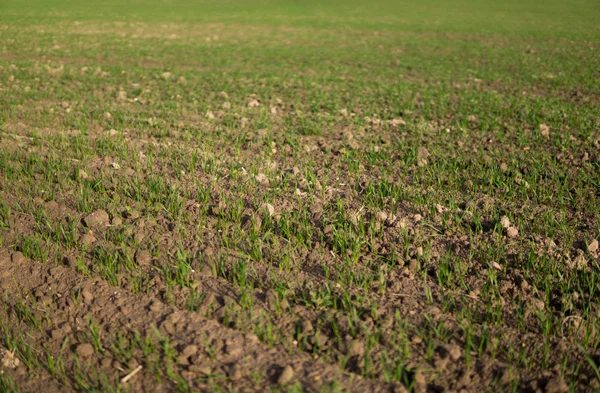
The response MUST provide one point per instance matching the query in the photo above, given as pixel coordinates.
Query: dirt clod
(453, 350)
(143, 258)
(87, 239)
(235, 372)
(234, 349)
(87, 295)
(422, 155)
(557, 385)
(593, 246)
(356, 347)
(97, 219)
(286, 375)
(505, 222)
(18, 257)
(9, 359)
(512, 232)
(85, 350)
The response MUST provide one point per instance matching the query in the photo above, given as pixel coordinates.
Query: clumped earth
(272, 196)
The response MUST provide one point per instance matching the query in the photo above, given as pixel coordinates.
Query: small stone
(97, 219)
(544, 130)
(18, 258)
(505, 222)
(85, 350)
(593, 246)
(286, 375)
(512, 232)
(107, 115)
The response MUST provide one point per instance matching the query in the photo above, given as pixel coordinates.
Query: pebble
(505, 222)
(593, 246)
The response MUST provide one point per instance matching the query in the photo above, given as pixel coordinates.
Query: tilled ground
(345, 224)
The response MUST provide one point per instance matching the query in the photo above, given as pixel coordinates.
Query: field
(287, 196)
